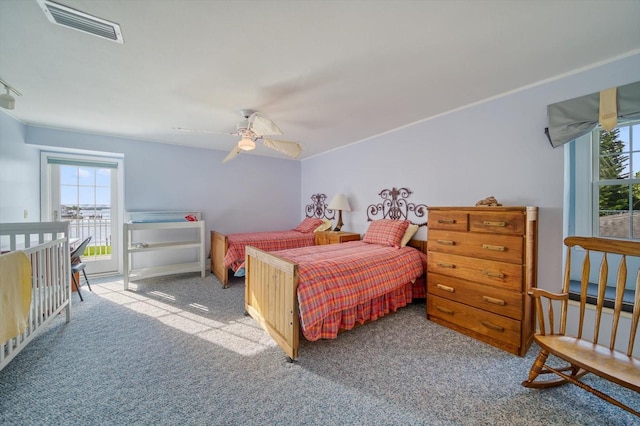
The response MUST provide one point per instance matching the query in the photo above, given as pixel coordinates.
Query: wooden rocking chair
(585, 355)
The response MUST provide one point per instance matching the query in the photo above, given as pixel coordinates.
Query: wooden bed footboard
(219, 246)
(271, 295)
(271, 285)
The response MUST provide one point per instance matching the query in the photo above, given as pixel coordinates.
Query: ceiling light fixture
(246, 144)
(6, 100)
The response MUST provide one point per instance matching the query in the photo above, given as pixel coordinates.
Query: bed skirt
(368, 311)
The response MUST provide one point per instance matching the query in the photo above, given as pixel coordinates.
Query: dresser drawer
(453, 221)
(497, 327)
(498, 274)
(504, 248)
(507, 303)
(497, 222)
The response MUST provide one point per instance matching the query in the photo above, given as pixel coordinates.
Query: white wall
(497, 148)
(19, 174)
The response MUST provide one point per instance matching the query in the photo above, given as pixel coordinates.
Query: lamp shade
(340, 202)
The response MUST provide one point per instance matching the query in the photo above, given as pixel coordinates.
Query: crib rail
(50, 279)
(19, 236)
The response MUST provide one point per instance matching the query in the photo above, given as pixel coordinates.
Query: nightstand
(335, 237)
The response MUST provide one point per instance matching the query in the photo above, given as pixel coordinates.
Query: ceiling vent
(74, 19)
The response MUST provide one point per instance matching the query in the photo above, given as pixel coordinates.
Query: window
(603, 181)
(616, 187)
(603, 197)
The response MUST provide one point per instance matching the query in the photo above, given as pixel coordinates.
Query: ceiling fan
(257, 126)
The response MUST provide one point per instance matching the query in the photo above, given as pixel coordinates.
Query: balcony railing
(100, 231)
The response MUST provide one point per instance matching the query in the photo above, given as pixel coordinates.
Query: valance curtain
(568, 120)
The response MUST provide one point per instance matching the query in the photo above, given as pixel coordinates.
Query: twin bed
(318, 291)
(228, 251)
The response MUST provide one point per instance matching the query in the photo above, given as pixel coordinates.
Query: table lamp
(339, 203)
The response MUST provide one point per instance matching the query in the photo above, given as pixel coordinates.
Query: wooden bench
(585, 354)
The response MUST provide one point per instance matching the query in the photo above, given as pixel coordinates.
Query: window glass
(617, 187)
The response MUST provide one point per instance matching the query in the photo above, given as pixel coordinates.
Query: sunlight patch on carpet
(241, 336)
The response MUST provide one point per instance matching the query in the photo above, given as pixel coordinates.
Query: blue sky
(85, 185)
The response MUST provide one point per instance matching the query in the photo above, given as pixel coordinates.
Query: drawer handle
(492, 326)
(445, 288)
(493, 274)
(490, 223)
(444, 310)
(446, 242)
(494, 248)
(494, 301)
(446, 265)
(447, 221)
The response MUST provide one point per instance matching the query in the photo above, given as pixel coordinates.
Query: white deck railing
(100, 231)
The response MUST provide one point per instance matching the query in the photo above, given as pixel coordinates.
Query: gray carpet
(179, 350)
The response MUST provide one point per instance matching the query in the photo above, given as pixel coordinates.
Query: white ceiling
(329, 73)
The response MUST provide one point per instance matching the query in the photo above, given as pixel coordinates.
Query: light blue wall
(247, 194)
(19, 174)
(493, 148)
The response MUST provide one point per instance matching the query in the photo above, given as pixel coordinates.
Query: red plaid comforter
(267, 241)
(337, 277)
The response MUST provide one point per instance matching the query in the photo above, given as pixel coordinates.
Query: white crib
(47, 246)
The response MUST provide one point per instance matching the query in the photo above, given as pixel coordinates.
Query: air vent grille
(71, 18)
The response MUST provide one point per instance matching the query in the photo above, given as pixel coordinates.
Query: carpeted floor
(179, 350)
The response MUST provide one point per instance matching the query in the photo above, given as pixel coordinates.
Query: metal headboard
(318, 208)
(395, 206)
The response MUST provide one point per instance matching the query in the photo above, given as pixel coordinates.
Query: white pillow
(408, 234)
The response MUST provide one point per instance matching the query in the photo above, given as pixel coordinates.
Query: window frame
(50, 185)
(581, 217)
(583, 167)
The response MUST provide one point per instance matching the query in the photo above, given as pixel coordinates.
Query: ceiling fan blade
(182, 129)
(235, 151)
(292, 149)
(262, 125)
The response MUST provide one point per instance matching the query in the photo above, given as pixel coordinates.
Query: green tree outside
(613, 165)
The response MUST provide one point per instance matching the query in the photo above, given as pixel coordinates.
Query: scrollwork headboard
(395, 206)
(318, 208)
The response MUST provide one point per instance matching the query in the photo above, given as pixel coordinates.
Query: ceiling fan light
(246, 144)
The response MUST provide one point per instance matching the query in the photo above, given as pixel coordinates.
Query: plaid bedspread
(337, 277)
(267, 241)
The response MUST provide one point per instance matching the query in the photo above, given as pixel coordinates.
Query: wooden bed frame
(219, 246)
(271, 284)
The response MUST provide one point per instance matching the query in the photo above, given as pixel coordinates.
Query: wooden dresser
(481, 264)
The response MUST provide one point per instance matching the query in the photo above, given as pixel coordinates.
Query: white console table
(131, 247)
